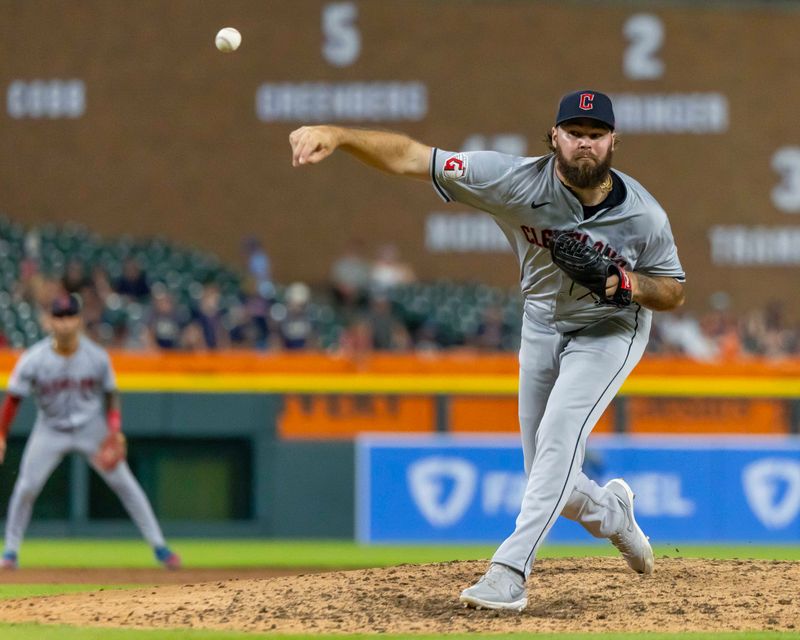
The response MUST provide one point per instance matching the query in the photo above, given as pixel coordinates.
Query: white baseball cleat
(499, 588)
(630, 540)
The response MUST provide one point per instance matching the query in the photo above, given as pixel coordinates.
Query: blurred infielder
(596, 255)
(78, 411)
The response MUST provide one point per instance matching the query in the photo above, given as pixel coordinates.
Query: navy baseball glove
(590, 268)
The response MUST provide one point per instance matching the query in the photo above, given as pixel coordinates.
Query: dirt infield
(597, 594)
(154, 576)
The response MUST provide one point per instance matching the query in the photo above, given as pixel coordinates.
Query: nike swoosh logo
(534, 205)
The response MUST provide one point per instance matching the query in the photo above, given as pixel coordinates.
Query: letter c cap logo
(585, 101)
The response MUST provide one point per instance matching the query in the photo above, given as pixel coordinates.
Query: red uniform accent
(114, 419)
(7, 413)
(624, 279)
(454, 164)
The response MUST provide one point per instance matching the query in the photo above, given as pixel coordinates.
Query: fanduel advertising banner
(469, 488)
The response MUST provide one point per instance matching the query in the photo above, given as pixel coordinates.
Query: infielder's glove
(590, 268)
(111, 452)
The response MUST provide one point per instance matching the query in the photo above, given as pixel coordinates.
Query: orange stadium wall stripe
(475, 414)
(636, 385)
(687, 416)
(452, 373)
(329, 396)
(345, 416)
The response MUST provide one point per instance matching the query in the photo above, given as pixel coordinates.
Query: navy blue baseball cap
(586, 104)
(66, 305)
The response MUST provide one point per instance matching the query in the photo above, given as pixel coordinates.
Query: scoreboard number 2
(645, 34)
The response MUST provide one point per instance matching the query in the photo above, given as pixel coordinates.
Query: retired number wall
(124, 116)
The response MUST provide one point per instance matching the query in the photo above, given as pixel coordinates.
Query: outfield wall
(468, 489)
(247, 444)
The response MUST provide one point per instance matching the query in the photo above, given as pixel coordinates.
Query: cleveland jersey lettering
(635, 234)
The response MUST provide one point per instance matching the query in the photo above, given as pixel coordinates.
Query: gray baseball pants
(45, 449)
(566, 382)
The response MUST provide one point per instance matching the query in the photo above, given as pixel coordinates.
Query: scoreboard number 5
(342, 44)
(645, 33)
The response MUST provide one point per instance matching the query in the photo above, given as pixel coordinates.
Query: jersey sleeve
(477, 178)
(660, 255)
(22, 378)
(109, 379)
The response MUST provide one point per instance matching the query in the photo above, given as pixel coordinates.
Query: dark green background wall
(211, 464)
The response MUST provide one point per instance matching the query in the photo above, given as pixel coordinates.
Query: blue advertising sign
(469, 488)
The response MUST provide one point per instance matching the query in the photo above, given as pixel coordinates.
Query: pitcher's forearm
(657, 293)
(391, 152)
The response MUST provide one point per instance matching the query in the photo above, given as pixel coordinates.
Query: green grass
(331, 554)
(237, 553)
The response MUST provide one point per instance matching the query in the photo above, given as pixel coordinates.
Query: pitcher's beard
(582, 175)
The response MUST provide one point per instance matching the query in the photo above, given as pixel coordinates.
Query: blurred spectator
(720, 335)
(96, 325)
(681, 332)
(426, 337)
(29, 280)
(28, 286)
(208, 317)
(32, 245)
(164, 322)
(256, 314)
(387, 332)
(491, 332)
(192, 338)
(133, 281)
(43, 291)
(417, 316)
(350, 277)
(294, 326)
(237, 322)
(259, 266)
(388, 271)
(720, 327)
(356, 338)
(35, 288)
(101, 282)
(75, 277)
(247, 323)
(763, 332)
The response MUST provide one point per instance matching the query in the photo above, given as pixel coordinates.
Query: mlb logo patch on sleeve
(455, 167)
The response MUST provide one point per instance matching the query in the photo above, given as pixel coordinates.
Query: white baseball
(228, 39)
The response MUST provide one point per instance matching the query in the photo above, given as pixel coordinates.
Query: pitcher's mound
(587, 594)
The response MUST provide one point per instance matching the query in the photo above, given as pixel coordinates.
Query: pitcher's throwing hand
(311, 145)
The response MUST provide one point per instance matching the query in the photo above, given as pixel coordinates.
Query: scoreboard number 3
(645, 34)
(786, 195)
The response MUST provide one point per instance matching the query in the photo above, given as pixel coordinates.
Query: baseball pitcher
(73, 384)
(596, 256)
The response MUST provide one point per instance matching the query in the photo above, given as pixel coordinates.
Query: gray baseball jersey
(575, 354)
(69, 391)
(529, 202)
